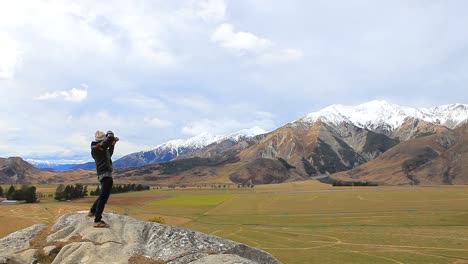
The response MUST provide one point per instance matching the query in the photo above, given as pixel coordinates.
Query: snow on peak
(379, 113)
(205, 139)
(245, 133)
(198, 141)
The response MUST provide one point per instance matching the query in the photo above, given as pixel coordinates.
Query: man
(102, 149)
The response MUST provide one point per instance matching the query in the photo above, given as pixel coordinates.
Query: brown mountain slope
(319, 148)
(414, 128)
(441, 158)
(225, 147)
(15, 170)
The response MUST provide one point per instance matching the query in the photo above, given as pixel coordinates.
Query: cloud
(10, 56)
(247, 42)
(157, 123)
(209, 10)
(282, 56)
(204, 65)
(198, 103)
(147, 103)
(247, 118)
(218, 126)
(74, 95)
(199, 127)
(227, 38)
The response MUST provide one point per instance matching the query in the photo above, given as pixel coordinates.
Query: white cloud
(6, 128)
(210, 10)
(148, 103)
(73, 95)
(157, 122)
(202, 126)
(229, 125)
(140, 51)
(227, 38)
(198, 103)
(282, 56)
(263, 48)
(10, 56)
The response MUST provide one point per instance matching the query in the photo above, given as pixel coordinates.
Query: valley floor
(299, 222)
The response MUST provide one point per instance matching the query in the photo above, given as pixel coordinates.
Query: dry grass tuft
(143, 260)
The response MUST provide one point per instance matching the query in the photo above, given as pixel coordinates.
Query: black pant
(100, 203)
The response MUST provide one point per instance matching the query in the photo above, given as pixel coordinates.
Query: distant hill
(15, 170)
(85, 166)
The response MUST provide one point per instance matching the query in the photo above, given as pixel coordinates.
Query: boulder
(73, 239)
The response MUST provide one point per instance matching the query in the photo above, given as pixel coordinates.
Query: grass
(299, 222)
(192, 200)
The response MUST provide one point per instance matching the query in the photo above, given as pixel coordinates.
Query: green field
(300, 222)
(192, 200)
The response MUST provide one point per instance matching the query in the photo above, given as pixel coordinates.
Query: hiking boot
(90, 214)
(101, 224)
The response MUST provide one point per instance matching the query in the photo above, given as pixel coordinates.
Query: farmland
(298, 222)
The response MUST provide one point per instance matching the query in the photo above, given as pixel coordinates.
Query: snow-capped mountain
(53, 165)
(382, 116)
(174, 148)
(206, 139)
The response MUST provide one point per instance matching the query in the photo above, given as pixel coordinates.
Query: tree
(60, 192)
(20, 194)
(68, 192)
(77, 191)
(11, 192)
(1, 191)
(29, 194)
(96, 192)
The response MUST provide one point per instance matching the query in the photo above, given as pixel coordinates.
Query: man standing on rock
(102, 149)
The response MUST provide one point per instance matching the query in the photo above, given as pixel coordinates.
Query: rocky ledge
(73, 239)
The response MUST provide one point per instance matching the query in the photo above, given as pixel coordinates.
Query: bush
(26, 193)
(357, 183)
(157, 219)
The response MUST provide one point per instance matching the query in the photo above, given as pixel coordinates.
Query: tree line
(26, 193)
(123, 188)
(69, 192)
(65, 192)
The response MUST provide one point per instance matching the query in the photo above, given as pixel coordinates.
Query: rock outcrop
(73, 239)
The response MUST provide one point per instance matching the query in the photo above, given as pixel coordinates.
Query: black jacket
(102, 153)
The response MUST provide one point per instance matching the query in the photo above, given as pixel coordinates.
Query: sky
(153, 71)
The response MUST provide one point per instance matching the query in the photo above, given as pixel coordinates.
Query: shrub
(157, 219)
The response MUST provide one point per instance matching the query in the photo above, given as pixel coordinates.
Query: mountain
(384, 117)
(48, 165)
(174, 148)
(15, 170)
(319, 148)
(85, 166)
(335, 139)
(440, 158)
(72, 239)
(414, 127)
